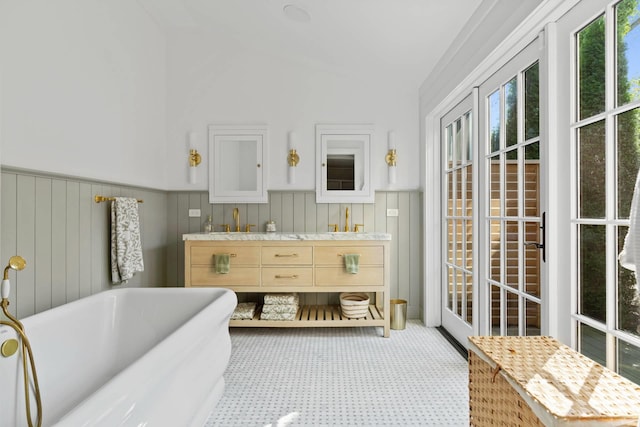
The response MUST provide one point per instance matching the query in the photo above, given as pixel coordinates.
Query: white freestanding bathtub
(127, 357)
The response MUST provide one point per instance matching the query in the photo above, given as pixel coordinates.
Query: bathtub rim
(206, 401)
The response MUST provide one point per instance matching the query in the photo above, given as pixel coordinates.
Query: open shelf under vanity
(309, 316)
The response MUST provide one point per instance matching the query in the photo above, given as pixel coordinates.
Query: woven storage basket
(531, 381)
(354, 305)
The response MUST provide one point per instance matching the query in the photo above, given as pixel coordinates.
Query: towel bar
(100, 199)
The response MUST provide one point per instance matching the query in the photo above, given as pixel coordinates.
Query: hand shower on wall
(10, 346)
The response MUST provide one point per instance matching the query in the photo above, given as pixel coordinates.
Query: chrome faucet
(236, 218)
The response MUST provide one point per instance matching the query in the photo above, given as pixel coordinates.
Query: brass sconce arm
(293, 158)
(391, 157)
(194, 158)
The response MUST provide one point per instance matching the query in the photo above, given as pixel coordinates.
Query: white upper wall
(99, 90)
(83, 90)
(216, 81)
(89, 89)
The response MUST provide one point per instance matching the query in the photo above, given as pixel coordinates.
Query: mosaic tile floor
(343, 377)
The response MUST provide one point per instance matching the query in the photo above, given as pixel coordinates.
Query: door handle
(536, 244)
(541, 245)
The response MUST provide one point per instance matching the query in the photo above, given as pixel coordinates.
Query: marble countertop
(286, 236)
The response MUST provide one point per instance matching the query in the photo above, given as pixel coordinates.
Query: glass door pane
(513, 195)
(606, 143)
(457, 178)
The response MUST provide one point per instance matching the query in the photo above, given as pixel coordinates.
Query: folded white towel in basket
(126, 248)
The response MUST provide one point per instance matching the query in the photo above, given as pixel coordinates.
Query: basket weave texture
(354, 305)
(566, 387)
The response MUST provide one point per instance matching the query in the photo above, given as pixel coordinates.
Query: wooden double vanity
(296, 262)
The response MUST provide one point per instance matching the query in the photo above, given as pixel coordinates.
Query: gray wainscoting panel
(297, 211)
(64, 236)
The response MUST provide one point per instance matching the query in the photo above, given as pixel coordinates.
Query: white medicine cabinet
(237, 163)
(343, 164)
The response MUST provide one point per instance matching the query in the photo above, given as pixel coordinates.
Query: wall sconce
(391, 158)
(194, 159)
(292, 159)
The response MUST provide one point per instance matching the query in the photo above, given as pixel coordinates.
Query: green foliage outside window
(592, 203)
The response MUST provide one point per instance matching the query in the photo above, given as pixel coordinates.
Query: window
(606, 133)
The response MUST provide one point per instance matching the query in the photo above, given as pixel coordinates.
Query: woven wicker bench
(535, 381)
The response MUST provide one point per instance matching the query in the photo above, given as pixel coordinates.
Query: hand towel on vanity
(351, 263)
(126, 248)
(222, 263)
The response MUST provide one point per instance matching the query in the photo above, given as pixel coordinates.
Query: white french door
(512, 199)
(456, 130)
(599, 82)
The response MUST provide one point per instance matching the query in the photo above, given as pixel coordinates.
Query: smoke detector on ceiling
(296, 13)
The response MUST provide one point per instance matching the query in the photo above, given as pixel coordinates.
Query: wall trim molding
(54, 175)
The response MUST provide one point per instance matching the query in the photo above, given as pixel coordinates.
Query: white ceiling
(401, 39)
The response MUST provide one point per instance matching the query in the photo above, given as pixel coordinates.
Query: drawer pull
(286, 255)
(231, 255)
(284, 276)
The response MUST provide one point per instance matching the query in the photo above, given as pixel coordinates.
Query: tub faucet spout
(10, 346)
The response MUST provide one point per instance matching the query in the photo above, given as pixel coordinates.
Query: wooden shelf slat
(314, 316)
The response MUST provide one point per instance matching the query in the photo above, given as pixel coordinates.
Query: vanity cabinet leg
(384, 305)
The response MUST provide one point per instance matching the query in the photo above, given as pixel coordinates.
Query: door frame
(542, 19)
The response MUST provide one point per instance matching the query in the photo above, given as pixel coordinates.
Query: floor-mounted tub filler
(126, 357)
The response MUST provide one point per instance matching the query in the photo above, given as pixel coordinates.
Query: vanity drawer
(237, 276)
(287, 276)
(239, 255)
(337, 276)
(287, 255)
(332, 255)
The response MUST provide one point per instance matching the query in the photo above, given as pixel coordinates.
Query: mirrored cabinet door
(237, 168)
(343, 172)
